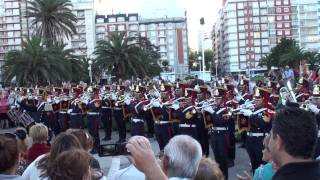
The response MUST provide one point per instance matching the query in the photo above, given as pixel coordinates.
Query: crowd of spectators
(288, 155)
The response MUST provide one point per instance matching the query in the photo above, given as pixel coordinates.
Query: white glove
(155, 103)
(313, 108)
(246, 112)
(175, 106)
(238, 98)
(127, 101)
(69, 111)
(209, 109)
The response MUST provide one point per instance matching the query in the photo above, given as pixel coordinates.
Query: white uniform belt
(135, 120)
(255, 134)
(318, 133)
(104, 107)
(219, 128)
(187, 125)
(72, 114)
(162, 122)
(63, 112)
(93, 113)
(117, 108)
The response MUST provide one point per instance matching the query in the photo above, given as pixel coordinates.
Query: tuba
(287, 94)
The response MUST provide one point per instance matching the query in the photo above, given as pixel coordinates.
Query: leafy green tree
(125, 57)
(37, 64)
(53, 19)
(282, 54)
(208, 59)
(293, 57)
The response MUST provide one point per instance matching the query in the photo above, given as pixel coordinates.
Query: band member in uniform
(93, 117)
(259, 126)
(137, 114)
(219, 134)
(118, 111)
(163, 129)
(76, 112)
(106, 112)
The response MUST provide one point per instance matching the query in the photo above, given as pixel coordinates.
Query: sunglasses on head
(9, 135)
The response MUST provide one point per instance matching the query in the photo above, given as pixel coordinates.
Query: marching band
(211, 112)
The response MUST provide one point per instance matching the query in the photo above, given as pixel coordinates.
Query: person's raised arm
(143, 158)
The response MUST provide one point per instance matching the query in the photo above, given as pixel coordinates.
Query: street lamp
(199, 59)
(216, 62)
(202, 44)
(90, 70)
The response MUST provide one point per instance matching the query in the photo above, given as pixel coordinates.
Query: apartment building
(306, 23)
(246, 30)
(105, 25)
(13, 26)
(169, 34)
(83, 42)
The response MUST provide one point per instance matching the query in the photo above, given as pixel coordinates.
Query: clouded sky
(160, 8)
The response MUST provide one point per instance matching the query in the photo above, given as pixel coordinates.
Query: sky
(171, 8)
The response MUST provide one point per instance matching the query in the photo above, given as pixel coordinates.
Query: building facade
(13, 26)
(168, 34)
(83, 42)
(246, 30)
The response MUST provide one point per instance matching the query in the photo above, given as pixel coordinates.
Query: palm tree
(313, 59)
(293, 57)
(36, 64)
(266, 61)
(124, 58)
(52, 19)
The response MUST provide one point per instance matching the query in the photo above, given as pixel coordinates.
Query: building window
(263, 11)
(242, 36)
(264, 34)
(287, 32)
(278, 2)
(80, 14)
(278, 10)
(279, 18)
(240, 20)
(143, 34)
(287, 25)
(151, 26)
(132, 18)
(285, 2)
(256, 35)
(100, 20)
(142, 27)
(152, 33)
(279, 25)
(120, 19)
(112, 19)
(279, 32)
(257, 42)
(240, 5)
(240, 13)
(112, 28)
(121, 28)
(286, 9)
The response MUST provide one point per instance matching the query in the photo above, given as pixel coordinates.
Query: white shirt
(33, 172)
(130, 172)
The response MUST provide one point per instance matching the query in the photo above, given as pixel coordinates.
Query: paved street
(241, 162)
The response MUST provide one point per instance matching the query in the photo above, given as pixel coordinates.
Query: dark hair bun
(21, 134)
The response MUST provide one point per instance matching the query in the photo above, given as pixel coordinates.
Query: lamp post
(90, 70)
(199, 59)
(202, 44)
(216, 62)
